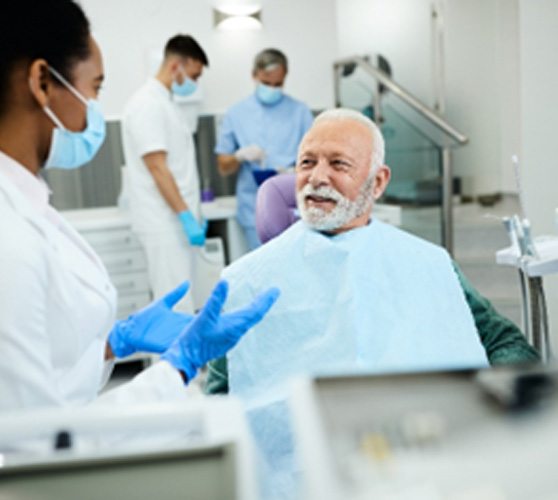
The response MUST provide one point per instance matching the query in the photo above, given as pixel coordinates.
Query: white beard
(344, 211)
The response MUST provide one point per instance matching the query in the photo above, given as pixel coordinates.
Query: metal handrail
(428, 113)
(404, 95)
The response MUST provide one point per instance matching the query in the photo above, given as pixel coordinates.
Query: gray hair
(268, 59)
(378, 144)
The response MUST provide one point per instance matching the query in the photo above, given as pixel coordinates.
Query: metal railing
(430, 115)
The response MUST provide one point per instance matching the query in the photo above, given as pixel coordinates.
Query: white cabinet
(109, 232)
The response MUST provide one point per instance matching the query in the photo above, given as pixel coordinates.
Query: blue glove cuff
(117, 336)
(195, 232)
(180, 362)
(186, 217)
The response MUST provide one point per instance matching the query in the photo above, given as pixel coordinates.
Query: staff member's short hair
(186, 46)
(268, 59)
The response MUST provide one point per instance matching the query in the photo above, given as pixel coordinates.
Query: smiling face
(335, 185)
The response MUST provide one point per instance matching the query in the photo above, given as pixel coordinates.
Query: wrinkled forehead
(341, 136)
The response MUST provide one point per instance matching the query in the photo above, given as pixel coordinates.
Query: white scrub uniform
(153, 123)
(57, 307)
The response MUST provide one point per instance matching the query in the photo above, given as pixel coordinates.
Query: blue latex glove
(152, 329)
(194, 231)
(211, 335)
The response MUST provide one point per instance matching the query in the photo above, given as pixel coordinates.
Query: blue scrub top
(277, 129)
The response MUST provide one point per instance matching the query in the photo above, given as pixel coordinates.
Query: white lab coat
(57, 306)
(151, 123)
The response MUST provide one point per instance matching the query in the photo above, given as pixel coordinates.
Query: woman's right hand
(212, 334)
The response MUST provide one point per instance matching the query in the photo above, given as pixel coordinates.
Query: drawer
(124, 262)
(128, 304)
(128, 283)
(112, 239)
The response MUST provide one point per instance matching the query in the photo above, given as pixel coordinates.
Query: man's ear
(40, 81)
(173, 62)
(381, 181)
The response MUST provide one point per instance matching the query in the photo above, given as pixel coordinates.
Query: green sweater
(503, 341)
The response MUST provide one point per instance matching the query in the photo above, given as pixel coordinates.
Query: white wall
(473, 104)
(480, 62)
(397, 29)
(509, 91)
(128, 30)
(483, 89)
(539, 110)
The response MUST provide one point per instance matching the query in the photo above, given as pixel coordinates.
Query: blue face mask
(269, 95)
(184, 89)
(69, 150)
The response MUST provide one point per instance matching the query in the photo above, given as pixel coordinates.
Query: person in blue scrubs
(260, 135)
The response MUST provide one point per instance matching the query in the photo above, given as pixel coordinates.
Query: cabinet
(109, 232)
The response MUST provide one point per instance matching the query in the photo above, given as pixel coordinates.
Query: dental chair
(275, 206)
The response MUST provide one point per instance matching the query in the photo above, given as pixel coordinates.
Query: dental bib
(373, 299)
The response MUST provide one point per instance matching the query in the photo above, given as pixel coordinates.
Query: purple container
(207, 195)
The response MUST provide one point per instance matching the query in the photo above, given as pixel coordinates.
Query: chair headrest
(275, 206)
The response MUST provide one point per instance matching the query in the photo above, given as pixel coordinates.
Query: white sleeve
(158, 383)
(147, 127)
(27, 375)
(108, 368)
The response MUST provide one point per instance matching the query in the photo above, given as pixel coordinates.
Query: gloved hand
(250, 153)
(195, 232)
(211, 335)
(153, 328)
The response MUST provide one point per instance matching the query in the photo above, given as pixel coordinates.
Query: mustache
(322, 192)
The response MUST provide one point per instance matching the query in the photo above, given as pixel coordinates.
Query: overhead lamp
(237, 15)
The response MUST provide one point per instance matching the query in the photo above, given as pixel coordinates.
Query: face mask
(69, 150)
(184, 89)
(269, 95)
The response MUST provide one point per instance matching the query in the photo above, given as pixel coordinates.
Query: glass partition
(413, 151)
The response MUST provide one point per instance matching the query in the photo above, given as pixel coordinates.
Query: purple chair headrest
(275, 206)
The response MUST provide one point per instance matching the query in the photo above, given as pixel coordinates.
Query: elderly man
(357, 294)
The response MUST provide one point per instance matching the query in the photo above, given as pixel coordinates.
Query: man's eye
(305, 162)
(340, 164)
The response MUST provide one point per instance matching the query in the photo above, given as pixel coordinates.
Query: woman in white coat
(58, 335)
